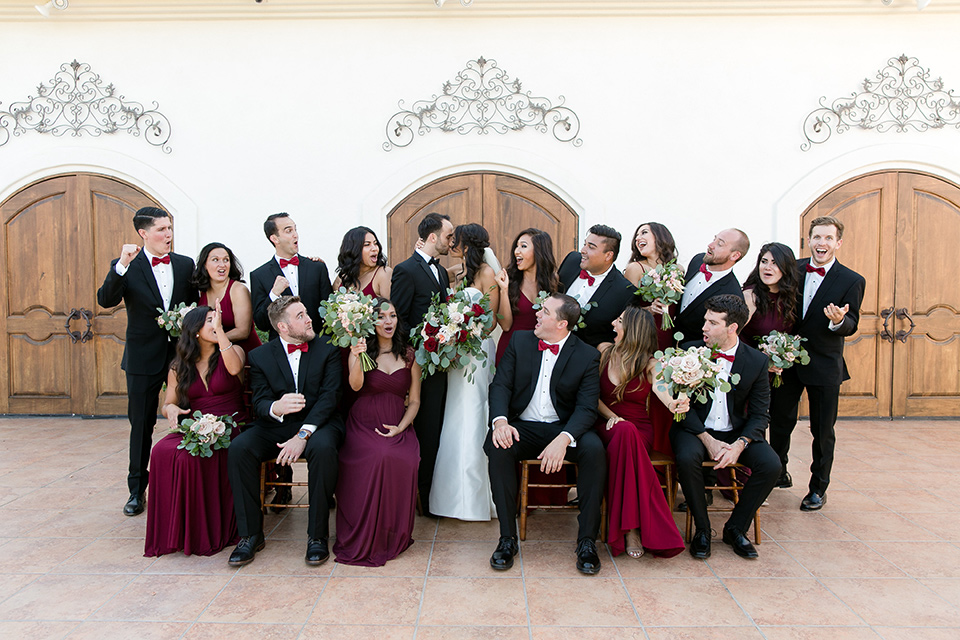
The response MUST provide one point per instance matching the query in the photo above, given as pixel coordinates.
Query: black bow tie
(433, 262)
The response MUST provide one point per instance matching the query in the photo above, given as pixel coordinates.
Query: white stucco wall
(692, 121)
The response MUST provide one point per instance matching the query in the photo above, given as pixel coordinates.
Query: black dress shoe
(502, 558)
(700, 545)
(588, 561)
(741, 545)
(785, 481)
(246, 550)
(317, 552)
(135, 505)
(708, 496)
(813, 501)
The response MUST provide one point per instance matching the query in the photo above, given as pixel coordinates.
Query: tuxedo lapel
(562, 359)
(304, 370)
(428, 273)
(829, 281)
(284, 365)
(705, 294)
(142, 264)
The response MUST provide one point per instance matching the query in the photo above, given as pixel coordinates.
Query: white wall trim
(148, 179)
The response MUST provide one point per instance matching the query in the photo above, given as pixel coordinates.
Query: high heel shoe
(633, 545)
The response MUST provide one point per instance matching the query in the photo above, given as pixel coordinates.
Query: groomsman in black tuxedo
(830, 301)
(727, 429)
(287, 274)
(544, 398)
(709, 274)
(414, 282)
(592, 279)
(295, 380)
(145, 280)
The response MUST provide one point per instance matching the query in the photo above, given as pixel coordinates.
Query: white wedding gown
(461, 484)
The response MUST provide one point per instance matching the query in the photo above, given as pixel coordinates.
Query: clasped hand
(289, 403)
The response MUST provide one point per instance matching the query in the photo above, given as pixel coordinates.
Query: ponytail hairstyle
(472, 240)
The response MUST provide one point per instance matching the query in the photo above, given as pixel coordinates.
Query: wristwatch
(304, 434)
(743, 439)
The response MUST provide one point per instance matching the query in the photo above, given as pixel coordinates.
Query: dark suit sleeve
(853, 297)
(260, 298)
(110, 293)
(568, 270)
(263, 395)
(401, 292)
(758, 405)
(584, 414)
(502, 384)
(325, 288)
(329, 392)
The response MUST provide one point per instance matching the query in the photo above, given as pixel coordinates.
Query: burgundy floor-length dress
(190, 505)
(634, 497)
(524, 319)
(377, 484)
(229, 322)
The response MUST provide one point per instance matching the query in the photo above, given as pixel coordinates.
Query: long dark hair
(201, 279)
(666, 246)
(400, 344)
(472, 239)
(789, 283)
(188, 354)
(544, 260)
(351, 256)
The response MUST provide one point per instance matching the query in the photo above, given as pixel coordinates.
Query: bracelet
(227, 347)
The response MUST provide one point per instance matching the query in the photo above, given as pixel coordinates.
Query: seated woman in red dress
(639, 515)
(191, 505)
(219, 277)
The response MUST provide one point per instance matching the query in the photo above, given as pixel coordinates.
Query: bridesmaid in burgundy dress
(219, 276)
(639, 515)
(191, 505)
(377, 483)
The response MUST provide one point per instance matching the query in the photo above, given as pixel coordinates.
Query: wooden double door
(902, 233)
(503, 204)
(61, 353)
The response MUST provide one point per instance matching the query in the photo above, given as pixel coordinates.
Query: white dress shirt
(162, 273)
(811, 284)
(697, 285)
(292, 273)
(434, 268)
(294, 360)
(581, 290)
(719, 417)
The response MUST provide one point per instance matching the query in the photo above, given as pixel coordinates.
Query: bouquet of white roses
(349, 316)
(172, 320)
(692, 372)
(784, 351)
(452, 332)
(664, 283)
(204, 433)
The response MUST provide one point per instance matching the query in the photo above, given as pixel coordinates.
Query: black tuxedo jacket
(412, 288)
(319, 382)
(148, 349)
(613, 294)
(574, 385)
(689, 322)
(840, 286)
(314, 286)
(748, 402)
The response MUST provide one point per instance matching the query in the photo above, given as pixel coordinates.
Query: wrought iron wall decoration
(901, 98)
(76, 101)
(482, 98)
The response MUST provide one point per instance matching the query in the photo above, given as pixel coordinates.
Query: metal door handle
(74, 335)
(885, 334)
(87, 315)
(903, 315)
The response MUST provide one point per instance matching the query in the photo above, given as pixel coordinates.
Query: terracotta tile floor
(882, 560)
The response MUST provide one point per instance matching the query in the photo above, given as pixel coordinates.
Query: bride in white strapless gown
(461, 483)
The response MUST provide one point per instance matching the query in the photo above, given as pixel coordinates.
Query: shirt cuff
(309, 427)
(273, 296)
(834, 327)
(120, 269)
(493, 423)
(275, 416)
(573, 442)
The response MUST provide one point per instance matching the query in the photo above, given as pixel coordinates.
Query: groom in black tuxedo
(727, 429)
(295, 380)
(287, 274)
(592, 279)
(544, 398)
(145, 281)
(414, 282)
(830, 301)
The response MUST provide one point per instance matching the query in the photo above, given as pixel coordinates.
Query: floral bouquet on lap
(784, 351)
(663, 283)
(692, 372)
(452, 333)
(205, 433)
(349, 316)
(172, 320)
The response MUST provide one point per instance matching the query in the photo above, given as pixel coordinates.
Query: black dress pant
(784, 406)
(427, 425)
(690, 454)
(589, 454)
(258, 444)
(143, 400)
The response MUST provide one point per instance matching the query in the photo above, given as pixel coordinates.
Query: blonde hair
(634, 350)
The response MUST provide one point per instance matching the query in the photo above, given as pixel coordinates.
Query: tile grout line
(426, 575)
(623, 585)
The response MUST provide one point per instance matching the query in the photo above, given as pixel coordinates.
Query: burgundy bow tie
(164, 260)
(723, 356)
(586, 276)
(303, 346)
(706, 272)
(553, 348)
(295, 261)
(819, 270)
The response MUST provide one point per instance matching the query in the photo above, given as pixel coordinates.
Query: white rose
(456, 317)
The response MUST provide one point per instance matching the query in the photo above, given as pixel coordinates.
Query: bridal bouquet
(451, 334)
(784, 351)
(664, 283)
(172, 320)
(204, 433)
(691, 372)
(349, 316)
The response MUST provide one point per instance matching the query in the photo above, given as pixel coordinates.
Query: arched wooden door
(59, 236)
(502, 203)
(902, 230)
